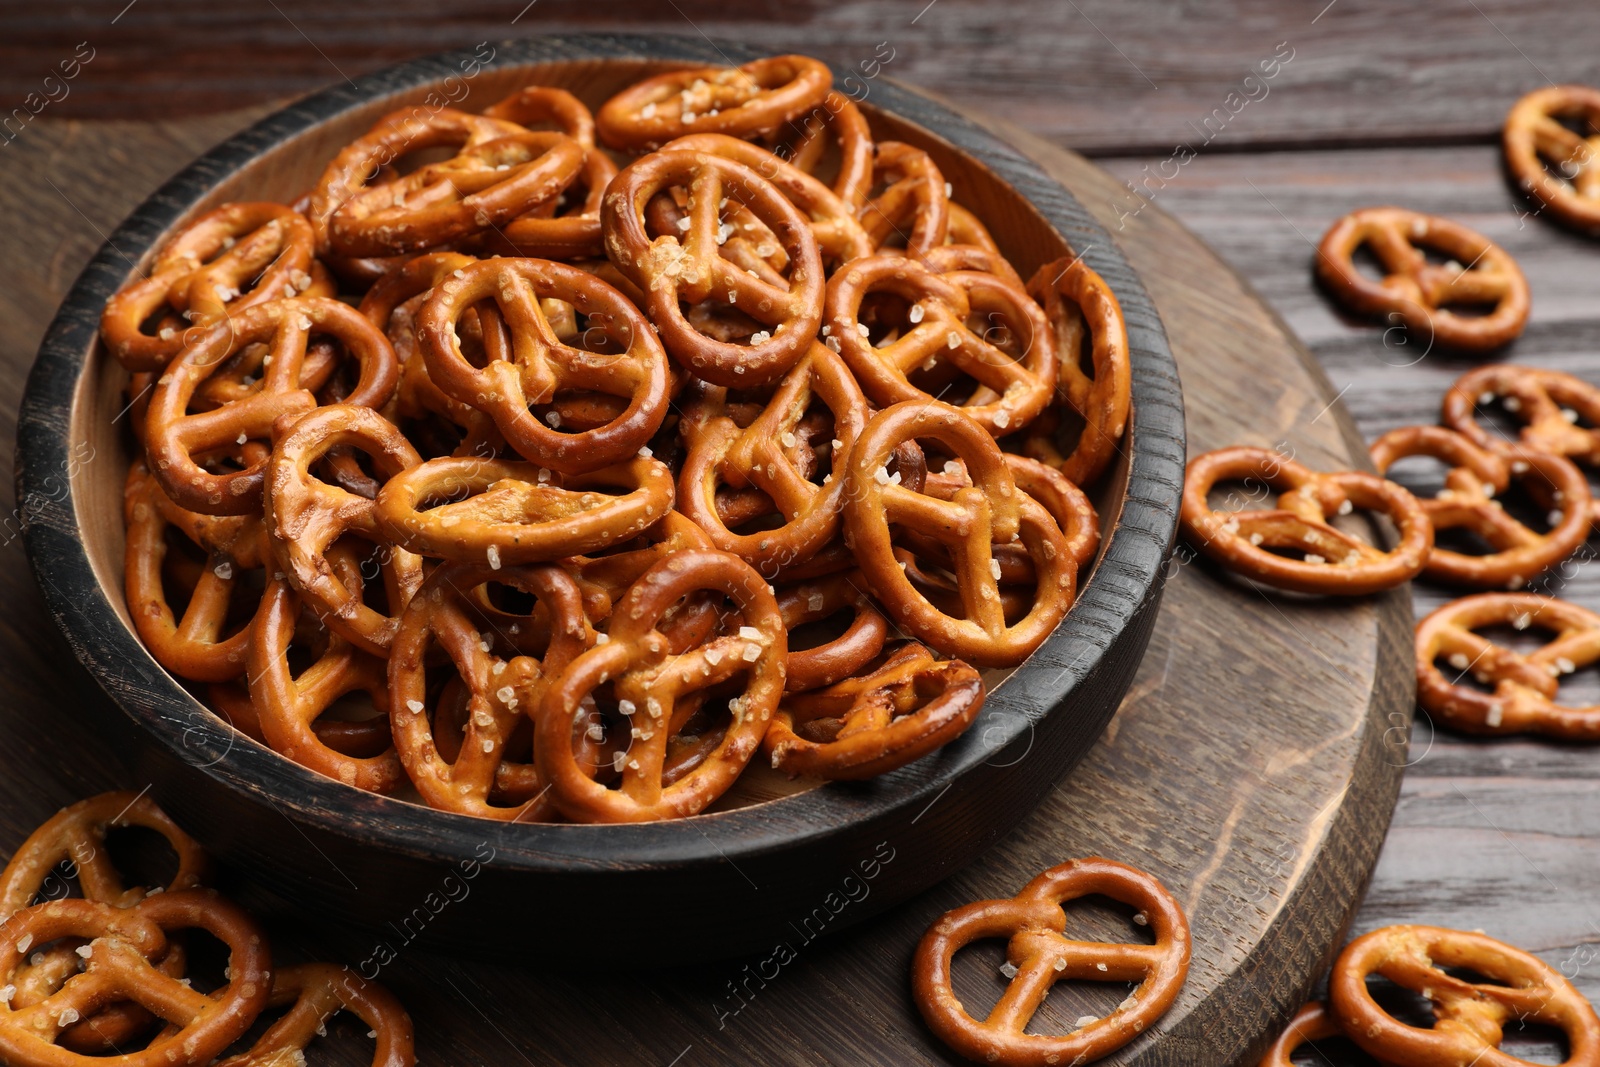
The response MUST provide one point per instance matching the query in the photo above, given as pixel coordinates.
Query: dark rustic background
(1376, 102)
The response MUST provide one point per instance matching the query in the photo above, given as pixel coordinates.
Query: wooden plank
(1094, 75)
(1265, 830)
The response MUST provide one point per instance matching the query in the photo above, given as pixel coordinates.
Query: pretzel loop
(315, 992)
(1558, 167)
(842, 657)
(1034, 924)
(1548, 403)
(755, 98)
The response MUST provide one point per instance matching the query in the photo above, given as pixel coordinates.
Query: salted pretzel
(948, 258)
(1525, 684)
(174, 436)
(1039, 955)
(653, 687)
(1418, 294)
(1469, 1017)
(567, 226)
(125, 947)
(872, 723)
(992, 512)
(784, 312)
(534, 105)
(1470, 501)
(912, 212)
(804, 143)
(1548, 403)
(1335, 563)
(743, 101)
(500, 695)
(1311, 1023)
(1082, 309)
(840, 237)
(768, 455)
(841, 657)
(502, 511)
(967, 230)
(305, 515)
(1556, 166)
(532, 364)
(209, 639)
(230, 259)
(1013, 386)
(314, 993)
(287, 703)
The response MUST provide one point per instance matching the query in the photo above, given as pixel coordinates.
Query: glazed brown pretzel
(76, 835)
(481, 780)
(565, 227)
(654, 686)
(207, 644)
(1040, 955)
(804, 143)
(288, 704)
(1415, 292)
(1012, 388)
(369, 157)
(1548, 403)
(992, 512)
(502, 511)
(1311, 1023)
(1525, 684)
(315, 992)
(174, 437)
(1081, 307)
(1535, 136)
(767, 455)
(913, 210)
(672, 271)
(203, 271)
(534, 104)
(843, 656)
(872, 723)
(538, 364)
(755, 98)
(124, 947)
(1469, 1017)
(1336, 563)
(1469, 501)
(839, 236)
(305, 515)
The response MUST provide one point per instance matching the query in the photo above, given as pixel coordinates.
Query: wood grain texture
(1094, 75)
(1263, 815)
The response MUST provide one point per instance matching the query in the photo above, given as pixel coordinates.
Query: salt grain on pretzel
(759, 97)
(1555, 165)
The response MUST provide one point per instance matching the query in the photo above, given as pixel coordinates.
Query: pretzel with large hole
(501, 694)
(1039, 955)
(672, 271)
(1080, 306)
(912, 213)
(743, 101)
(1335, 563)
(1311, 1023)
(503, 511)
(1557, 166)
(174, 436)
(204, 271)
(765, 455)
(993, 511)
(804, 143)
(122, 965)
(1469, 1017)
(872, 723)
(566, 226)
(653, 687)
(1013, 388)
(1548, 403)
(1470, 500)
(1525, 683)
(1415, 292)
(314, 993)
(820, 666)
(538, 364)
(535, 104)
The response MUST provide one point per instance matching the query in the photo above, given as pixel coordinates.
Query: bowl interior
(291, 165)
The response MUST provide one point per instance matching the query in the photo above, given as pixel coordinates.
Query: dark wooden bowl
(721, 884)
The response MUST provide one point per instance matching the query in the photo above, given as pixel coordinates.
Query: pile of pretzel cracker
(118, 973)
(589, 454)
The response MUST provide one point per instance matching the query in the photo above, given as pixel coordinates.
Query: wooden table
(1367, 105)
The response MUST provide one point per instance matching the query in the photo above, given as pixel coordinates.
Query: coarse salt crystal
(994, 568)
(1312, 557)
(1513, 404)
(505, 693)
(760, 337)
(618, 759)
(602, 639)
(952, 340)
(749, 633)
(882, 476)
(713, 656)
(27, 940)
(223, 570)
(1085, 1020)
(1565, 665)
(1522, 622)
(648, 111)
(1256, 539)
(916, 313)
(67, 1017)
(626, 707)
(85, 951)
(1346, 508)
(1140, 919)
(815, 602)
(7, 993)
(414, 707)
(1459, 661)
(1495, 715)
(1008, 969)
(488, 745)
(752, 653)
(494, 557)
(1569, 415)
(597, 732)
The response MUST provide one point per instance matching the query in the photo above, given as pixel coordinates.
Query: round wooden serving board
(1253, 767)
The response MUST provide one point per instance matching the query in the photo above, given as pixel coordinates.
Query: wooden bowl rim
(1126, 581)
